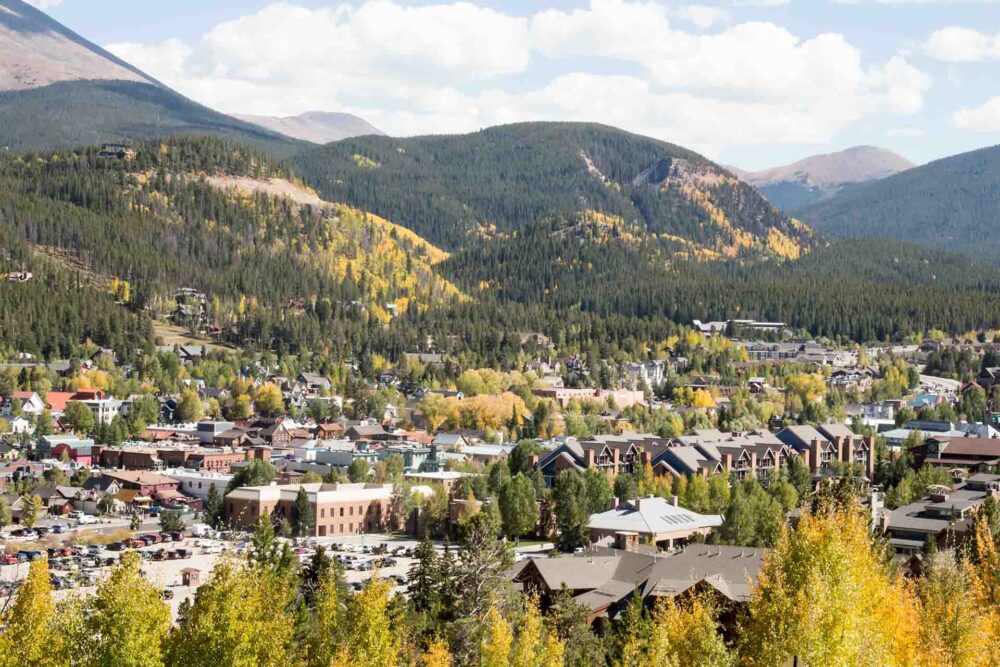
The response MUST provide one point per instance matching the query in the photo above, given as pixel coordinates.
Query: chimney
(815, 448)
(614, 502)
(675, 501)
(588, 458)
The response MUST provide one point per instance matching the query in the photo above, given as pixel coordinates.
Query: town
(612, 483)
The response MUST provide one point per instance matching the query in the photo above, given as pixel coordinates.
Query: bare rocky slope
(318, 127)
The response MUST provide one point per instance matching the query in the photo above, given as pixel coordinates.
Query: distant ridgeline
(587, 234)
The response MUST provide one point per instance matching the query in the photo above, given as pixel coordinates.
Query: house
(651, 520)
(31, 403)
(60, 500)
(823, 447)
(367, 432)
(988, 377)
(314, 383)
(604, 580)
(945, 516)
(856, 378)
(148, 484)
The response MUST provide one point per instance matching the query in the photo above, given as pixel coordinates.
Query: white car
(86, 519)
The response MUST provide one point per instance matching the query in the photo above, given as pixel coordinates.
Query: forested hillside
(455, 189)
(214, 216)
(73, 114)
(951, 204)
(863, 290)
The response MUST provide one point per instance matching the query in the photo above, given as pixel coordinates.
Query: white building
(197, 484)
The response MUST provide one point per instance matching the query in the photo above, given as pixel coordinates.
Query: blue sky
(753, 83)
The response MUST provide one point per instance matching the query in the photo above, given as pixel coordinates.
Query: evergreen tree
(213, 512)
(570, 497)
(302, 515)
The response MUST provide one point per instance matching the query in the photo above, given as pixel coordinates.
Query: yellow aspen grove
(436, 655)
(824, 597)
(495, 649)
(954, 626)
(127, 620)
(686, 633)
(239, 618)
(534, 648)
(984, 576)
(29, 636)
(324, 635)
(374, 639)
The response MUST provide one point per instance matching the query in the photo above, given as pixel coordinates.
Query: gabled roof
(652, 515)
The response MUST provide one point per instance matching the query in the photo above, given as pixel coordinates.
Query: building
(651, 520)
(31, 403)
(623, 398)
(604, 580)
(828, 445)
(197, 484)
(959, 452)
(611, 454)
(945, 516)
(338, 509)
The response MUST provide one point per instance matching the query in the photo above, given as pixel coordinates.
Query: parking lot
(77, 568)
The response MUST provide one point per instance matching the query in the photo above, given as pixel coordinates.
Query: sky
(750, 83)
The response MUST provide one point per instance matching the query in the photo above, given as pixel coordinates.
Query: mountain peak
(38, 51)
(319, 127)
(821, 176)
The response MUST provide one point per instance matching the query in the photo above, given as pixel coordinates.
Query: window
(352, 511)
(341, 513)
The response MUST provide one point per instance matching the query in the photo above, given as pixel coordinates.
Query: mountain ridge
(48, 52)
(821, 176)
(952, 203)
(453, 188)
(318, 127)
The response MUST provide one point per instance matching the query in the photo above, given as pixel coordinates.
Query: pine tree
(214, 508)
(424, 578)
(302, 516)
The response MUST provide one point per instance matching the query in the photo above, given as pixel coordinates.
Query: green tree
(256, 472)
(519, 459)
(626, 488)
(358, 469)
(213, 511)
(302, 515)
(172, 521)
(78, 417)
(518, 508)
(572, 515)
(423, 577)
(599, 492)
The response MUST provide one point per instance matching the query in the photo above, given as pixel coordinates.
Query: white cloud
(984, 118)
(458, 67)
(702, 16)
(906, 132)
(962, 45)
(44, 4)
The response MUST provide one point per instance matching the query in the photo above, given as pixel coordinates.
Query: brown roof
(140, 477)
(970, 446)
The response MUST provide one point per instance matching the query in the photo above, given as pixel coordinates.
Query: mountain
(37, 51)
(318, 127)
(952, 204)
(59, 90)
(455, 189)
(821, 176)
(217, 217)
